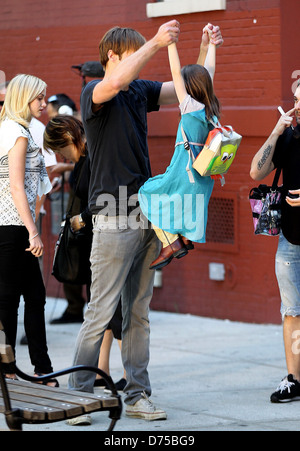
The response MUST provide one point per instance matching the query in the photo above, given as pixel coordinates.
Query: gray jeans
(120, 260)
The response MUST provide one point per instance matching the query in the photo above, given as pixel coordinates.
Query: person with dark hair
(282, 150)
(64, 105)
(65, 136)
(179, 215)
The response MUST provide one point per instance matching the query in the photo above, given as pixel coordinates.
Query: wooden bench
(24, 402)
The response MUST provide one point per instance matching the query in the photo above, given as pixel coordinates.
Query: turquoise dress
(172, 201)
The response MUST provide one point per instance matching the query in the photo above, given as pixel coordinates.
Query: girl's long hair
(199, 85)
(21, 91)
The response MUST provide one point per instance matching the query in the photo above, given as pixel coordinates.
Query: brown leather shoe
(188, 243)
(176, 249)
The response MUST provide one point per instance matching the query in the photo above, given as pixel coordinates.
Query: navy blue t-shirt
(117, 141)
(287, 156)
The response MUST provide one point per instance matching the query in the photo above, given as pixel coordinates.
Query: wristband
(30, 239)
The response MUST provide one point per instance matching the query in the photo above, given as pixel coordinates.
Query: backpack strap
(218, 125)
(191, 156)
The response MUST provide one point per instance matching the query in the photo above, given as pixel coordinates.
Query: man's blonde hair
(21, 91)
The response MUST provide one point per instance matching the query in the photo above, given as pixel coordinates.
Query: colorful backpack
(218, 153)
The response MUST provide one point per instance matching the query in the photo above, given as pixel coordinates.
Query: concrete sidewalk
(209, 375)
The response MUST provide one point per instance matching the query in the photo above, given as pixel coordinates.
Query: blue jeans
(288, 276)
(120, 261)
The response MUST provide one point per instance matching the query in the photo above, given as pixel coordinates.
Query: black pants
(115, 324)
(20, 274)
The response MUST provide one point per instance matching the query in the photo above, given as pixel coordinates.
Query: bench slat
(35, 412)
(88, 401)
(44, 394)
(39, 403)
(54, 409)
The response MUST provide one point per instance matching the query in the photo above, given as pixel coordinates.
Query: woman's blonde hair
(21, 91)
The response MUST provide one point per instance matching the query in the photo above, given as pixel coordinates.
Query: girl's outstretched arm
(204, 45)
(168, 94)
(176, 73)
(210, 62)
(210, 33)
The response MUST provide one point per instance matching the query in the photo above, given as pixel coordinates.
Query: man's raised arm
(120, 73)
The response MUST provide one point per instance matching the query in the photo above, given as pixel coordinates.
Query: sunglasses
(1, 102)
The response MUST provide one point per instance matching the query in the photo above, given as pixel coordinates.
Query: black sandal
(50, 381)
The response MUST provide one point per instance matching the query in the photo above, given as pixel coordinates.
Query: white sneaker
(145, 409)
(83, 420)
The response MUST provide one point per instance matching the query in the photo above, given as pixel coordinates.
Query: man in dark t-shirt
(282, 150)
(114, 113)
(119, 131)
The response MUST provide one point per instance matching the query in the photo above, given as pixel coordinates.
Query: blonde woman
(23, 178)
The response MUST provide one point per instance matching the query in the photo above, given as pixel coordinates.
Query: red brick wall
(253, 77)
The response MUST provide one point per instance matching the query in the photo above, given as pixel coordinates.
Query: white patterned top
(36, 178)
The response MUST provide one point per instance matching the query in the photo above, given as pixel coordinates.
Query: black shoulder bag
(71, 263)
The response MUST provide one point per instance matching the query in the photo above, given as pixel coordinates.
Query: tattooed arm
(262, 164)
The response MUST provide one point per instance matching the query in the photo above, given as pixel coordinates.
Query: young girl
(23, 177)
(176, 202)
